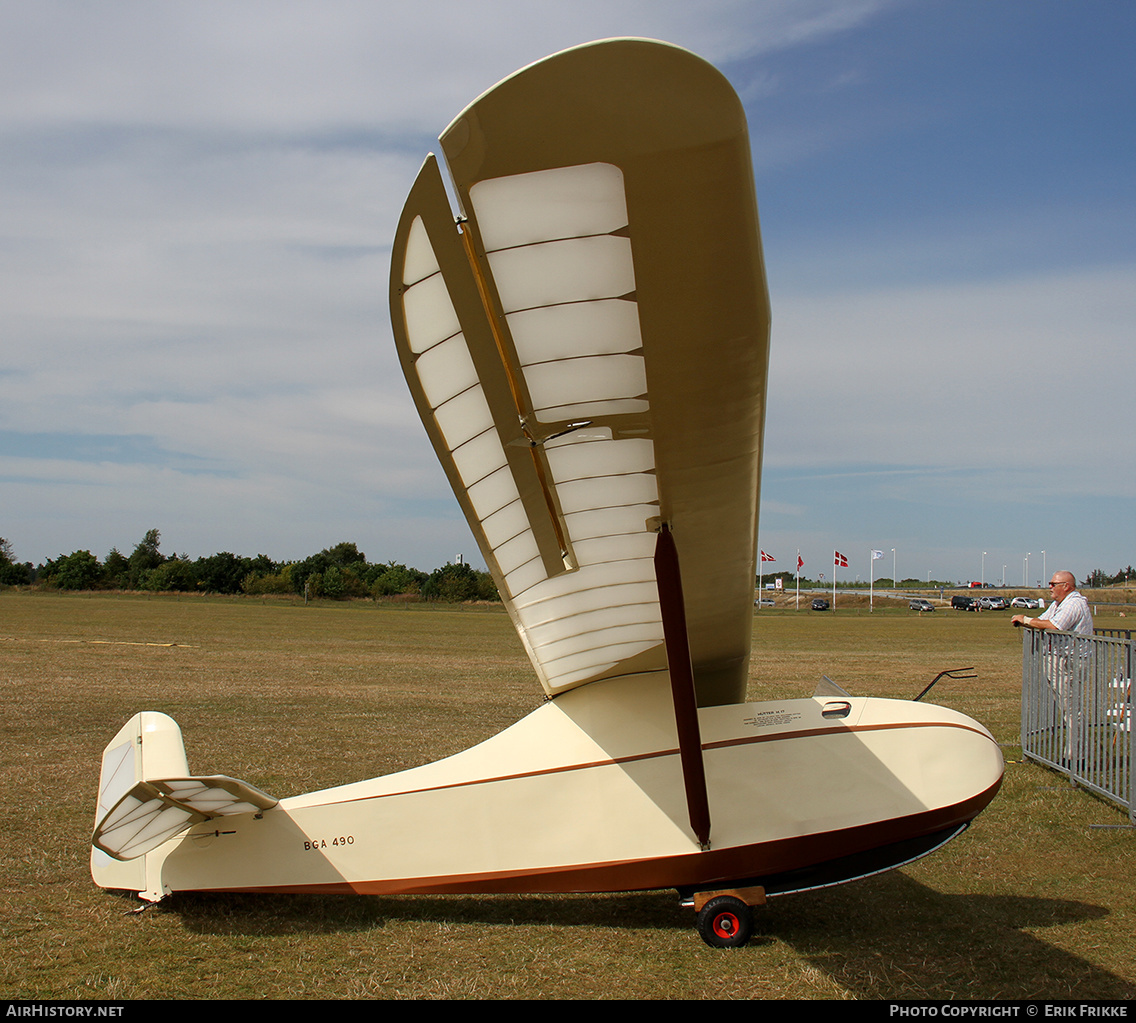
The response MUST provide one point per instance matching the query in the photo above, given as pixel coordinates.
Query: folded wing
(587, 346)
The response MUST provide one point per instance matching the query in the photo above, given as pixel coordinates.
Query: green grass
(1031, 902)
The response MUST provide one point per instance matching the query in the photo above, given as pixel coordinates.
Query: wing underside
(570, 356)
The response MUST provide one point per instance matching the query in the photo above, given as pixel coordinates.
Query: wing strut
(682, 683)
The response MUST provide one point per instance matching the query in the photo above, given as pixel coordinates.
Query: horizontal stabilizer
(157, 810)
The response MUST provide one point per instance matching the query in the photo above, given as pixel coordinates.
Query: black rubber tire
(725, 922)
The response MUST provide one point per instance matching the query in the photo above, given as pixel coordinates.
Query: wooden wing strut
(673, 611)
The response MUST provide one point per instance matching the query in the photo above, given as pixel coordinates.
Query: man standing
(1069, 612)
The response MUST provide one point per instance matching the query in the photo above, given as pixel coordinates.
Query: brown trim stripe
(634, 758)
(694, 869)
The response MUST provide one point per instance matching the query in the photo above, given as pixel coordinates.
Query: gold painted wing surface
(587, 345)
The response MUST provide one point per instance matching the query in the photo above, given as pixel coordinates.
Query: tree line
(335, 573)
(1098, 580)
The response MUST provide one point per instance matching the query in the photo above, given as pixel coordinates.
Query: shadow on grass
(891, 937)
(888, 937)
(284, 914)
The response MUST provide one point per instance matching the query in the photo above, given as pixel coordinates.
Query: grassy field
(1031, 902)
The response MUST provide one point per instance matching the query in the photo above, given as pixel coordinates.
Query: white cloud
(289, 63)
(1004, 374)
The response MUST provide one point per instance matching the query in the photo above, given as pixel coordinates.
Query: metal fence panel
(1077, 709)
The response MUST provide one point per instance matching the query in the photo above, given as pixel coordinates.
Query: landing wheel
(725, 922)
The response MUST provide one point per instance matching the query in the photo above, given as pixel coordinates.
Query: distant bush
(274, 582)
(79, 570)
(11, 572)
(461, 582)
(174, 574)
(390, 580)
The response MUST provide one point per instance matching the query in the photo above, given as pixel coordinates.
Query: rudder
(149, 745)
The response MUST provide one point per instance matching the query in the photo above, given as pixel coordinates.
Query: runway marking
(98, 642)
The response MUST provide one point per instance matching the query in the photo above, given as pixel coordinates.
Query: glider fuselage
(568, 801)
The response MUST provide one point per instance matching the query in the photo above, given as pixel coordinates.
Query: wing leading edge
(587, 346)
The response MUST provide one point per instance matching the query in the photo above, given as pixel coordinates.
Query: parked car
(820, 604)
(992, 603)
(1021, 602)
(921, 605)
(765, 602)
(960, 603)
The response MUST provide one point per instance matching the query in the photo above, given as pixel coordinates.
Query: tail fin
(147, 796)
(149, 743)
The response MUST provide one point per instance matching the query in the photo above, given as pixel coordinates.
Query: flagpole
(762, 557)
(873, 554)
(798, 578)
(838, 561)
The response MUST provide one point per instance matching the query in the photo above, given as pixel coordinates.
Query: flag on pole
(839, 560)
(877, 554)
(800, 562)
(767, 557)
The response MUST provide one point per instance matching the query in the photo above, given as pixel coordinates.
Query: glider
(586, 341)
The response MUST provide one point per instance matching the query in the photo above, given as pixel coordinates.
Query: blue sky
(197, 200)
